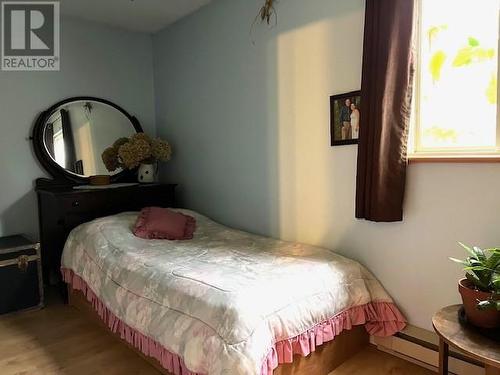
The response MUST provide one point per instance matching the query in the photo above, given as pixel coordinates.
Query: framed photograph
(345, 115)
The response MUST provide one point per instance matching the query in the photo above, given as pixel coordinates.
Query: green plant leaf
(474, 261)
(459, 261)
(479, 253)
(433, 32)
(489, 304)
(486, 305)
(478, 268)
(473, 278)
(495, 252)
(481, 267)
(468, 55)
(492, 90)
(468, 249)
(495, 282)
(473, 42)
(436, 65)
(493, 261)
(486, 54)
(464, 57)
(441, 134)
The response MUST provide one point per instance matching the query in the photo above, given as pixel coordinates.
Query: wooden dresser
(61, 209)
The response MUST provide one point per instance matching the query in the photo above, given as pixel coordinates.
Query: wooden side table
(472, 343)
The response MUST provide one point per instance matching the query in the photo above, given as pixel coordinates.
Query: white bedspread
(221, 300)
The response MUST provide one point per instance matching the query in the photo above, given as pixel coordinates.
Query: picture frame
(345, 116)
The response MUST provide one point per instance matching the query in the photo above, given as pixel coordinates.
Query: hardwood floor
(58, 340)
(374, 362)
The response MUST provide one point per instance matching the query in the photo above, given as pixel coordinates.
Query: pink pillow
(162, 223)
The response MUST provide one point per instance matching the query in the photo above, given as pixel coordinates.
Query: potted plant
(480, 290)
(139, 151)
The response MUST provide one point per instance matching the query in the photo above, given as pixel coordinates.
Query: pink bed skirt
(379, 318)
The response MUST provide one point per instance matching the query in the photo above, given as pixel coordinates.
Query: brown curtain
(48, 136)
(386, 90)
(69, 141)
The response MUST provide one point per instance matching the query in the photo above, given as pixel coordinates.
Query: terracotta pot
(470, 296)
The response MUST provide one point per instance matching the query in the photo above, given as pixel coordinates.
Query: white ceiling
(136, 15)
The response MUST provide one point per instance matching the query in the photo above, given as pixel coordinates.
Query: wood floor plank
(59, 340)
(374, 362)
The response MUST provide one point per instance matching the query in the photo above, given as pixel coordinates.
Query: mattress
(225, 302)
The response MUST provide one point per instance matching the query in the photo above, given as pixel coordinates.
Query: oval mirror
(71, 136)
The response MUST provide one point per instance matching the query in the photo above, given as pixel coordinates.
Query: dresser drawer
(78, 204)
(63, 209)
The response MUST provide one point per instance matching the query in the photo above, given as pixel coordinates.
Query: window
(455, 110)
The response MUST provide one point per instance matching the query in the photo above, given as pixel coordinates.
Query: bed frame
(324, 360)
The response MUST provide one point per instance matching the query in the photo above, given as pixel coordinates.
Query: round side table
(472, 343)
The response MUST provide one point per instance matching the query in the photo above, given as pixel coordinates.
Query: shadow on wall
(21, 217)
(18, 212)
(249, 123)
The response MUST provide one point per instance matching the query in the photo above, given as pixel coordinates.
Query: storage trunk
(20, 274)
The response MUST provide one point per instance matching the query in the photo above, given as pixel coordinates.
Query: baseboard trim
(421, 347)
(435, 347)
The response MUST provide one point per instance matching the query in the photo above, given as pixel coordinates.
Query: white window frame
(415, 152)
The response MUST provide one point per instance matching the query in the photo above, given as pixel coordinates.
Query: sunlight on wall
(316, 182)
(85, 147)
(309, 62)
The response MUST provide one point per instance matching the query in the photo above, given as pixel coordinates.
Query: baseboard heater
(421, 347)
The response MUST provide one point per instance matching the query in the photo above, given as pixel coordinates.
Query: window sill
(416, 159)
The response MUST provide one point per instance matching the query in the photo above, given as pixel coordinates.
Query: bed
(225, 302)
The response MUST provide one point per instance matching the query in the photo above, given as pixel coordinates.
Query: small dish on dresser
(110, 186)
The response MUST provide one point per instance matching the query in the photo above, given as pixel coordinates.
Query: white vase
(147, 173)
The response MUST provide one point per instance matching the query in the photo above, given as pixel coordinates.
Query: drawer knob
(76, 204)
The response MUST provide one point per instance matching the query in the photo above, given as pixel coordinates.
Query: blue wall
(97, 61)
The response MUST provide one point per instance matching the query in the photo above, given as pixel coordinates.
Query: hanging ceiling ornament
(266, 14)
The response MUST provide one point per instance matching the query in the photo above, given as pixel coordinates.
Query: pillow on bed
(162, 223)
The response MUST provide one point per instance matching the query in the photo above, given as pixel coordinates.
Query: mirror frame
(57, 172)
